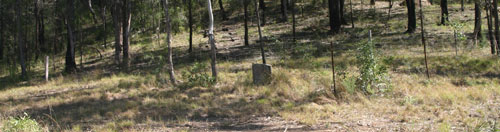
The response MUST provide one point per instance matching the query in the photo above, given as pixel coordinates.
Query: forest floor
(462, 94)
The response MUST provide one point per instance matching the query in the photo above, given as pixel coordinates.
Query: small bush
(21, 124)
(373, 76)
(197, 76)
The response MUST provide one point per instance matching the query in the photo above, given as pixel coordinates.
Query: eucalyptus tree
(70, 65)
(169, 41)
(19, 39)
(444, 12)
(211, 40)
(412, 18)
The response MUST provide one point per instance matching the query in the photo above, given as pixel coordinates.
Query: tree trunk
(190, 4)
(70, 65)
(352, 18)
(477, 20)
(423, 39)
(263, 7)
(39, 26)
(283, 11)
(211, 40)
(118, 29)
(245, 8)
(412, 18)
(260, 33)
(224, 17)
(495, 17)
(293, 20)
(104, 25)
(462, 5)
(335, 20)
(168, 41)
(444, 12)
(20, 44)
(491, 35)
(126, 32)
(341, 6)
(1, 33)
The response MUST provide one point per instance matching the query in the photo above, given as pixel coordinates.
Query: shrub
(197, 76)
(21, 124)
(373, 76)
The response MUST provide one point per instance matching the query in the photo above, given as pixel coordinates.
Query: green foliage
(197, 76)
(458, 27)
(373, 75)
(21, 124)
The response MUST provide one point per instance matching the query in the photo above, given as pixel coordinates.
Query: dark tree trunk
(40, 42)
(352, 18)
(190, 19)
(494, 13)
(342, 3)
(245, 8)
(168, 41)
(221, 5)
(462, 5)
(126, 32)
(20, 44)
(335, 20)
(263, 7)
(477, 19)
(1, 32)
(491, 35)
(444, 12)
(70, 65)
(283, 11)
(293, 20)
(412, 18)
(118, 29)
(423, 39)
(105, 34)
(260, 33)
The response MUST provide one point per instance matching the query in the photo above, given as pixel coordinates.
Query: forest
(249, 65)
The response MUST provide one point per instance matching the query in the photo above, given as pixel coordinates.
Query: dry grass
(462, 94)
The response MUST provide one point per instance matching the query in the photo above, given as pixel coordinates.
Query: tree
(412, 18)
(335, 20)
(103, 16)
(423, 38)
(461, 5)
(491, 36)
(284, 16)
(211, 40)
(245, 8)
(70, 65)
(263, 7)
(224, 17)
(494, 13)
(477, 19)
(40, 27)
(1, 32)
(260, 33)
(126, 32)
(168, 41)
(341, 6)
(118, 29)
(293, 20)
(20, 44)
(444, 12)
(190, 22)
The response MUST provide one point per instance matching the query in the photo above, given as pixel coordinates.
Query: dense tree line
(54, 27)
